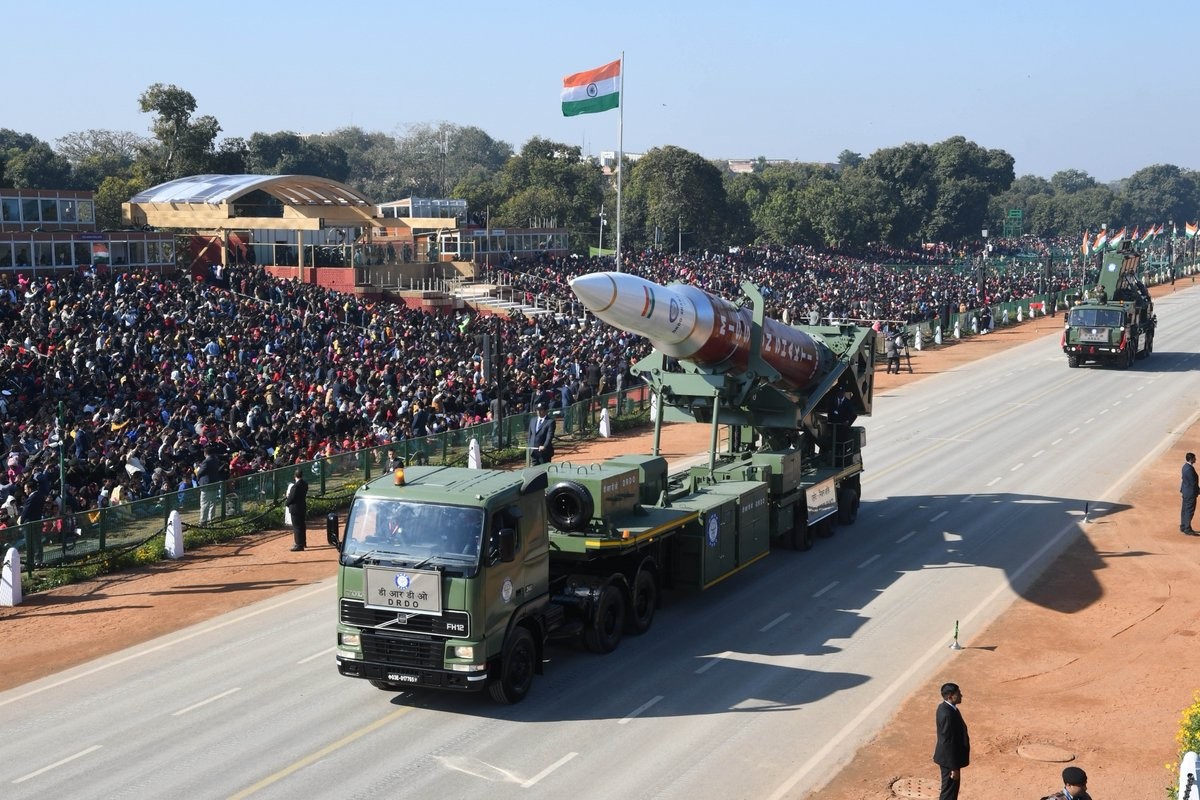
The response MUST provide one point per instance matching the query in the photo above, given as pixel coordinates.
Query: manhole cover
(918, 788)
(1038, 751)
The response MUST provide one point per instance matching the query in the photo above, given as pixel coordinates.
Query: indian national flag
(593, 90)
(1190, 229)
(1117, 238)
(1101, 240)
(1148, 235)
(1086, 247)
(1136, 236)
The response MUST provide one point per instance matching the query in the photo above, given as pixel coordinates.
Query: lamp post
(602, 221)
(983, 264)
(1171, 251)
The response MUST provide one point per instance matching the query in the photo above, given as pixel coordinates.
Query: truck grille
(403, 651)
(456, 624)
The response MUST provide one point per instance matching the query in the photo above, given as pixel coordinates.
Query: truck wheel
(847, 505)
(802, 537)
(603, 632)
(569, 506)
(825, 528)
(645, 602)
(1072, 361)
(517, 665)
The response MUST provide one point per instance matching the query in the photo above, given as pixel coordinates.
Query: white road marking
(967, 499)
(775, 622)
(828, 587)
(939, 516)
(903, 538)
(640, 709)
(1056, 441)
(548, 770)
(1017, 467)
(1073, 430)
(212, 699)
(58, 763)
(712, 663)
(868, 561)
(994, 481)
(315, 656)
(1038, 453)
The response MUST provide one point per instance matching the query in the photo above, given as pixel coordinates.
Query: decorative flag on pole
(1086, 247)
(593, 90)
(1117, 239)
(1190, 228)
(1101, 240)
(1136, 236)
(1148, 235)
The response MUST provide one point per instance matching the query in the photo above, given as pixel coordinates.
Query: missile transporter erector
(1114, 323)
(453, 578)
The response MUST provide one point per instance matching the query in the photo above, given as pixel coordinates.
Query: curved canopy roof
(295, 190)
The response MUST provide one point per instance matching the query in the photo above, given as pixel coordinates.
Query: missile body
(690, 324)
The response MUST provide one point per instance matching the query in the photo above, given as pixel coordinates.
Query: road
(760, 687)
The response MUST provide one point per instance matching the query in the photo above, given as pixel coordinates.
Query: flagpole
(620, 153)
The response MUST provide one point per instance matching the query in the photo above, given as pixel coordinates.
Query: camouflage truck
(1114, 322)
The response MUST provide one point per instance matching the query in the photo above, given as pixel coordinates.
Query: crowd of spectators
(166, 383)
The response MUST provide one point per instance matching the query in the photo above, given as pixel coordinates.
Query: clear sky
(1099, 86)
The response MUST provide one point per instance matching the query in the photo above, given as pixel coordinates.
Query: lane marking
(903, 538)
(1056, 441)
(1017, 467)
(202, 703)
(994, 481)
(868, 561)
(640, 709)
(548, 770)
(295, 766)
(315, 656)
(58, 763)
(1073, 430)
(967, 499)
(712, 663)
(1038, 453)
(329, 584)
(939, 516)
(827, 588)
(775, 622)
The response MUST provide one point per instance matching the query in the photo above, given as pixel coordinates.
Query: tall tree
(182, 145)
(39, 167)
(97, 154)
(675, 190)
(12, 144)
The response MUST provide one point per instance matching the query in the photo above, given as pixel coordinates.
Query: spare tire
(569, 506)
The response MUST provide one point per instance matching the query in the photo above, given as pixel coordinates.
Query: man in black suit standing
(296, 501)
(541, 436)
(953, 749)
(1188, 488)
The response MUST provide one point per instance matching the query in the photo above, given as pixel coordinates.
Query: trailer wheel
(847, 500)
(569, 506)
(802, 537)
(645, 602)
(517, 665)
(603, 632)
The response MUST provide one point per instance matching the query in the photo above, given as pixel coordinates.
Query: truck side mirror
(508, 545)
(331, 531)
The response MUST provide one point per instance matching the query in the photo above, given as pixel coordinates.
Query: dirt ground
(1103, 684)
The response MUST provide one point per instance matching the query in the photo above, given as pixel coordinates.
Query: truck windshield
(423, 532)
(1097, 317)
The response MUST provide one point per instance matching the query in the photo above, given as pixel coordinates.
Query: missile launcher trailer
(453, 578)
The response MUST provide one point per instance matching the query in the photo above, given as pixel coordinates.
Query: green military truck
(1114, 323)
(458, 579)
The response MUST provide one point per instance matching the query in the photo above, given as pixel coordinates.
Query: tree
(676, 190)
(39, 167)
(112, 192)
(550, 182)
(905, 177)
(12, 143)
(97, 154)
(182, 145)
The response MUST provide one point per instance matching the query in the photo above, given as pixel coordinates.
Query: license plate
(399, 677)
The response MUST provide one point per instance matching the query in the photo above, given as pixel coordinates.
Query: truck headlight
(349, 639)
(467, 652)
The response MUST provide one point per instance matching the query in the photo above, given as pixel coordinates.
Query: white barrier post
(174, 536)
(919, 340)
(957, 329)
(605, 425)
(937, 334)
(10, 579)
(474, 455)
(1020, 314)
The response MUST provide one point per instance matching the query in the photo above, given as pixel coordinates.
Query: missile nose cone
(597, 291)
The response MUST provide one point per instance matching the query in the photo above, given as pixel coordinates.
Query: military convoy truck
(456, 578)
(1114, 323)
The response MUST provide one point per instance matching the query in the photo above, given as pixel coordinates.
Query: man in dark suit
(953, 749)
(1188, 488)
(541, 436)
(296, 501)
